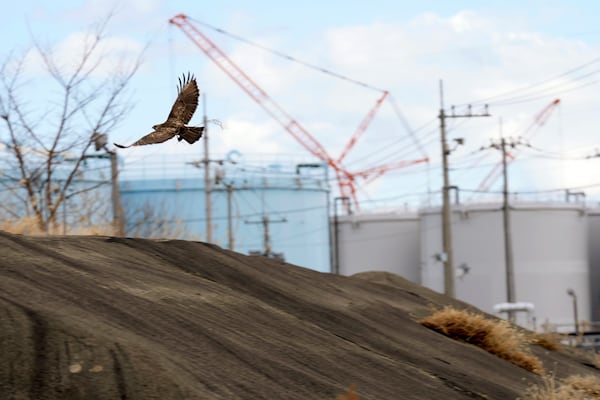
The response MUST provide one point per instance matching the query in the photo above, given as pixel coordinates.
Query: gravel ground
(114, 318)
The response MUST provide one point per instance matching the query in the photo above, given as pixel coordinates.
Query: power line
(555, 190)
(491, 99)
(543, 96)
(287, 57)
(407, 126)
(557, 155)
(393, 150)
(393, 103)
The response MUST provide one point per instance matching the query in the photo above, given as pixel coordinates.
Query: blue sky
(479, 49)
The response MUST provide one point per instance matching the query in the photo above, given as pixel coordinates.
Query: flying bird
(181, 113)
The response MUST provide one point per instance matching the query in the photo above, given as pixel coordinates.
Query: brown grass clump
(29, 226)
(498, 337)
(574, 387)
(588, 384)
(25, 225)
(351, 395)
(549, 341)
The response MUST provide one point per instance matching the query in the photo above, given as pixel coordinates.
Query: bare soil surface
(114, 318)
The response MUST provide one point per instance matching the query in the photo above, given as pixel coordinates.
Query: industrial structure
(345, 177)
(264, 208)
(386, 241)
(510, 257)
(594, 258)
(547, 263)
(555, 256)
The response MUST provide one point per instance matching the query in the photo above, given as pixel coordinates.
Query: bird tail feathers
(191, 134)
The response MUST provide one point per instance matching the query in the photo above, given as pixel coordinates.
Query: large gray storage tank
(550, 252)
(594, 255)
(378, 242)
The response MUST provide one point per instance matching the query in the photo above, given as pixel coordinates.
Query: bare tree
(153, 220)
(46, 139)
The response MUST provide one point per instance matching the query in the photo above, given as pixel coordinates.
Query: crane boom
(362, 127)
(249, 86)
(540, 119)
(370, 174)
(344, 177)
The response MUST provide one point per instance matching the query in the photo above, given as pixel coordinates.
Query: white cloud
(123, 10)
(113, 54)
(477, 56)
(248, 137)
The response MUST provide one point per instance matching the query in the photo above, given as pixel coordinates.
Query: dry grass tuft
(99, 230)
(495, 336)
(588, 384)
(351, 395)
(574, 387)
(26, 226)
(29, 226)
(549, 341)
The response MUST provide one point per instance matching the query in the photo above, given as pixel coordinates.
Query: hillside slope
(113, 318)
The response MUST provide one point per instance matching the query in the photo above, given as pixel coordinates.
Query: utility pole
(219, 179)
(118, 217)
(207, 182)
(446, 216)
(267, 237)
(508, 251)
(447, 256)
(100, 142)
(265, 221)
(336, 231)
(231, 243)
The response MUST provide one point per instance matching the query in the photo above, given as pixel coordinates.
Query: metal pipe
(576, 195)
(456, 193)
(572, 293)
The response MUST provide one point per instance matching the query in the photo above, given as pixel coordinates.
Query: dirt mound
(111, 318)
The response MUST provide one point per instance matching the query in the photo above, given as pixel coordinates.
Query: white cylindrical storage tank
(594, 254)
(550, 254)
(279, 210)
(378, 242)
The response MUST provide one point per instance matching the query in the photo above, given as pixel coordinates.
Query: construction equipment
(539, 121)
(346, 179)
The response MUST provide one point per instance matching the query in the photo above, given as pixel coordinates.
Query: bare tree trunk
(39, 140)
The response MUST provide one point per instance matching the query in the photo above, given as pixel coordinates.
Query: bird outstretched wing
(181, 113)
(186, 103)
(158, 136)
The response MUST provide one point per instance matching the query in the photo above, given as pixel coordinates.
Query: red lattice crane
(539, 121)
(345, 178)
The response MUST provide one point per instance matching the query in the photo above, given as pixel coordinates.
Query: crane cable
(518, 94)
(287, 57)
(393, 103)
